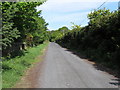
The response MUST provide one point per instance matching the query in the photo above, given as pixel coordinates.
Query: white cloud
(65, 20)
(69, 17)
(62, 12)
(64, 1)
(67, 7)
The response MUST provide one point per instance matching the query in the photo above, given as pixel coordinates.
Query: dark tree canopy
(20, 19)
(99, 40)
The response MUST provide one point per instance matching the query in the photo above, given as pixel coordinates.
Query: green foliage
(40, 33)
(14, 68)
(28, 20)
(20, 19)
(57, 34)
(9, 32)
(99, 40)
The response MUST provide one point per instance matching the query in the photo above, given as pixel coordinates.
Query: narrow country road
(62, 69)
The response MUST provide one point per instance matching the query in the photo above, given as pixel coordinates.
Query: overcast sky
(60, 13)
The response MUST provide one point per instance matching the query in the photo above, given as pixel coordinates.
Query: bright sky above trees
(60, 13)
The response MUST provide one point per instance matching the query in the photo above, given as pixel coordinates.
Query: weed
(14, 68)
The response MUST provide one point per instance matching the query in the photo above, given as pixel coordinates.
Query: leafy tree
(57, 34)
(99, 40)
(20, 19)
(63, 29)
(9, 31)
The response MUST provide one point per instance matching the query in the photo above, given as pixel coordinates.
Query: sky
(59, 13)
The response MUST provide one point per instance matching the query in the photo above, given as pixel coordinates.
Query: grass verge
(14, 69)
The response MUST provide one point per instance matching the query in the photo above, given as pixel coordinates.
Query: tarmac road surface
(62, 69)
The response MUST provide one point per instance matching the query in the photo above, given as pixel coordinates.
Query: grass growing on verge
(14, 68)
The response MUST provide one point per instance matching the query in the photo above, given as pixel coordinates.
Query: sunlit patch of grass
(14, 68)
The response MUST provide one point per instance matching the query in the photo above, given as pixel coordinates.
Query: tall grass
(14, 68)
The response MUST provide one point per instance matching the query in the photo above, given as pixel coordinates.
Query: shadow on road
(115, 82)
(99, 66)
